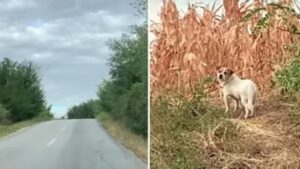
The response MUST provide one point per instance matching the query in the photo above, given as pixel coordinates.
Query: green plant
(176, 122)
(124, 95)
(289, 79)
(20, 89)
(83, 110)
(103, 116)
(4, 115)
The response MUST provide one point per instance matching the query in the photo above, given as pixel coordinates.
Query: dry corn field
(190, 131)
(189, 48)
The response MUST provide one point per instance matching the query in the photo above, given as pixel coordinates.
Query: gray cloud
(66, 39)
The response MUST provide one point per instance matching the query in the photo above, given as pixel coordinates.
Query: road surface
(65, 144)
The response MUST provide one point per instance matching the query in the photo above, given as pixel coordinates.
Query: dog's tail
(258, 101)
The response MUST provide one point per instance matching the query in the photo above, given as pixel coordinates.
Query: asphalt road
(65, 144)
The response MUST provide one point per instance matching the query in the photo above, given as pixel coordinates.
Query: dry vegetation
(248, 41)
(212, 140)
(120, 132)
(188, 129)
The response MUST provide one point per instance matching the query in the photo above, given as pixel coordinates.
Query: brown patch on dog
(230, 72)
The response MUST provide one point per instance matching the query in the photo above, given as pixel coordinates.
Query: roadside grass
(197, 134)
(119, 131)
(11, 128)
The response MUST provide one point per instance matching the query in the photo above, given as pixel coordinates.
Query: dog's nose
(220, 76)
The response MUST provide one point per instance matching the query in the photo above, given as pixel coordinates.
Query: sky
(66, 39)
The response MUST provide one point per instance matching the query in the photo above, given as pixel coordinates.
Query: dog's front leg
(225, 99)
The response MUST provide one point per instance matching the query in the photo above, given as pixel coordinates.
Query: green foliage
(285, 13)
(45, 114)
(83, 110)
(289, 78)
(102, 116)
(4, 115)
(136, 112)
(104, 94)
(20, 90)
(178, 124)
(124, 95)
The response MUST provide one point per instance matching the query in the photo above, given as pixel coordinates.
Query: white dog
(244, 91)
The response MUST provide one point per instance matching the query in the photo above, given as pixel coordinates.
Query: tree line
(83, 110)
(124, 95)
(21, 94)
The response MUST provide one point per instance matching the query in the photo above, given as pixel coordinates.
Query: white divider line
(51, 142)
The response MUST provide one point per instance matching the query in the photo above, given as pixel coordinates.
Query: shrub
(45, 114)
(136, 113)
(175, 121)
(103, 116)
(194, 134)
(289, 79)
(4, 115)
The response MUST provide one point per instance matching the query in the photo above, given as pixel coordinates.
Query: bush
(45, 115)
(135, 115)
(289, 79)
(194, 134)
(175, 123)
(103, 116)
(4, 115)
(124, 95)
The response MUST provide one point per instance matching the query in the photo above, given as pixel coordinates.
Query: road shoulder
(128, 139)
(15, 128)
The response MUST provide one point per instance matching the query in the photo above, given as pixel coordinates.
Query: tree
(83, 110)
(20, 89)
(124, 95)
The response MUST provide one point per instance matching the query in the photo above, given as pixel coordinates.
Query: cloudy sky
(66, 39)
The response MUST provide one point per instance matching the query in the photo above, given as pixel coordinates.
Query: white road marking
(51, 142)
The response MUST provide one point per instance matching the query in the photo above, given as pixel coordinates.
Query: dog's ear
(218, 68)
(230, 72)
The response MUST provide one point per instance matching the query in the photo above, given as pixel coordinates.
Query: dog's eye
(225, 73)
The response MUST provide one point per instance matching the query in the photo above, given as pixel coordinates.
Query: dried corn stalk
(187, 49)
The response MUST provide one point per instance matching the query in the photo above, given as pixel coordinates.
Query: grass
(11, 128)
(130, 140)
(196, 134)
